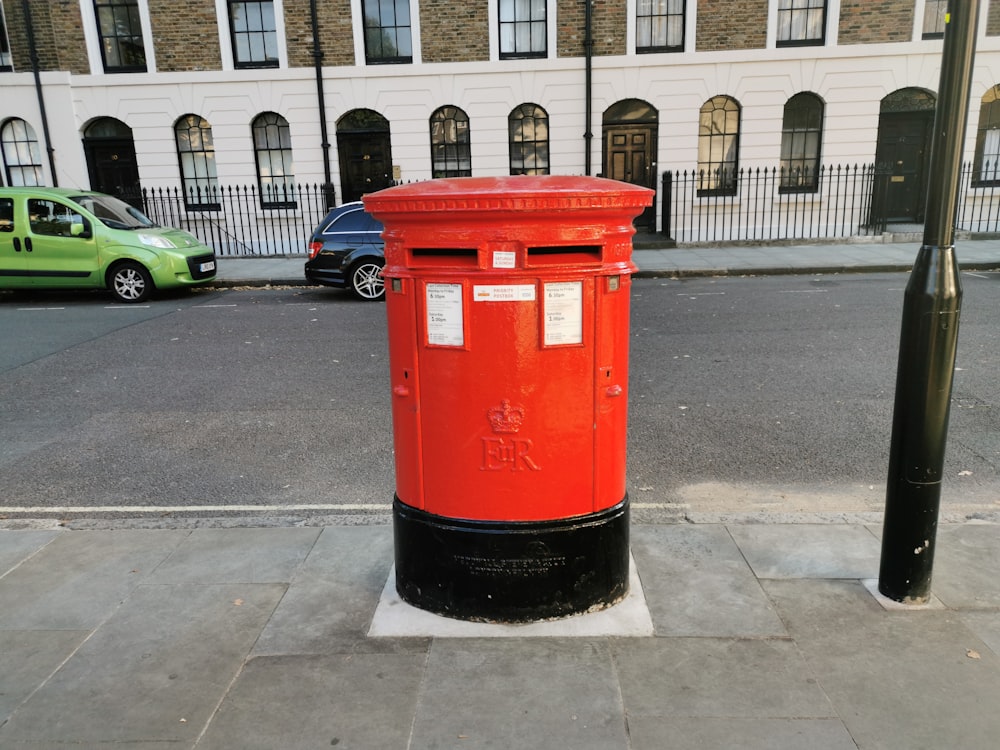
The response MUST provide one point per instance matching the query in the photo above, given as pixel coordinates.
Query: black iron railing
(757, 205)
(837, 201)
(771, 204)
(241, 220)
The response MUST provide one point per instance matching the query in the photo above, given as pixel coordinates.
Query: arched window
(718, 146)
(451, 152)
(986, 169)
(22, 156)
(801, 136)
(529, 140)
(196, 153)
(272, 147)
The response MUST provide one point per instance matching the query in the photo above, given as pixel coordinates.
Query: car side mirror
(80, 230)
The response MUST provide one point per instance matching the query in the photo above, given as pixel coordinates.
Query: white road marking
(188, 508)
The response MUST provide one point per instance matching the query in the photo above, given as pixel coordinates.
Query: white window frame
(690, 27)
(830, 33)
(358, 30)
(93, 38)
(551, 33)
(226, 36)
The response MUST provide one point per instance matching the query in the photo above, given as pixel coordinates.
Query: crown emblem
(506, 418)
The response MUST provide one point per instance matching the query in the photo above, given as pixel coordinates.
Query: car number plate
(210, 266)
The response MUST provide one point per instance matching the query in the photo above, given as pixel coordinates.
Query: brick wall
(336, 36)
(867, 22)
(607, 27)
(732, 24)
(185, 35)
(453, 31)
(52, 20)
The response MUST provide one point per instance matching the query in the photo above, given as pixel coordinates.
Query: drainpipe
(588, 47)
(33, 53)
(321, 101)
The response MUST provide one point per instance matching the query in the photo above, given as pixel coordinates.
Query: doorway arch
(365, 151)
(111, 163)
(902, 153)
(630, 134)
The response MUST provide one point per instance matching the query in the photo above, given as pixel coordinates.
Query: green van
(53, 238)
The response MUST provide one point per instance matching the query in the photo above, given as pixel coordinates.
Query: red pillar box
(508, 310)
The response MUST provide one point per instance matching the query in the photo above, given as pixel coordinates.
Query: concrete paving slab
(154, 672)
(897, 679)
(808, 550)
(986, 627)
(330, 603)
(718, 678)
(16, 546)
(696, 582)
(357, 701)
(520, 693)
(246, 555)
(628, 618)
(28, 658)
(657, 733)
(966, 565)
(76, 582)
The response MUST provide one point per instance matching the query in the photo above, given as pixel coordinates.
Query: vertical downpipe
(329, 197)
(33, 53)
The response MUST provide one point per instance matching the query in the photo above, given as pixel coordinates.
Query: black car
(346, 251)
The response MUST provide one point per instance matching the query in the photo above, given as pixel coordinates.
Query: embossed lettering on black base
(524, 571)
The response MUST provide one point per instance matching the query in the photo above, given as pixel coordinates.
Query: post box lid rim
(530, 188)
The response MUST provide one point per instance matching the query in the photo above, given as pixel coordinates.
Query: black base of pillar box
(523, 571)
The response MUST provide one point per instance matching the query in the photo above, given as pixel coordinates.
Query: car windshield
(113, 212)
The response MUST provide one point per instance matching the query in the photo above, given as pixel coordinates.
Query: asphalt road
(765, 396)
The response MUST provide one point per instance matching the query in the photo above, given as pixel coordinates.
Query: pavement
(734, 635)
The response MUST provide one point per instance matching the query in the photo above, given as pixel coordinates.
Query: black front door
(901, 159)
(365, 163)
(113, 169)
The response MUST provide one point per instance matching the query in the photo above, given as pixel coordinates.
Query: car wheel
(367, 281)
(130, 282)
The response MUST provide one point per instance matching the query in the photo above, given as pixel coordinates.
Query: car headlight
(153, 240)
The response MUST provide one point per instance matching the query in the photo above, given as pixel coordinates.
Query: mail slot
(507, 302)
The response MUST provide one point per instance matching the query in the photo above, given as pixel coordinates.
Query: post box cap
(518, 193)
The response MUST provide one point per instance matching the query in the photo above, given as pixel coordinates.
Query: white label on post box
(563, 313)
(504, 259)
(503, 293)
(445, 325)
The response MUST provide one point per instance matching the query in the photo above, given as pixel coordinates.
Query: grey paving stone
(897, 679)
(657, 733)
(696, 582)
(28, 658)
(18, 545)
(967, 566)
(332, 599)
(718, 678)
(247, 555)
(154, 672)
(986, 626)
(361, 702)
(519, 693)
(808, 550)
(76, 582)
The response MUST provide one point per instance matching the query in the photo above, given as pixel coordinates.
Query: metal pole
(588, 48)
(929, 338)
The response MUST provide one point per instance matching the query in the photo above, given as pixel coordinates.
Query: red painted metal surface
(508, 310)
